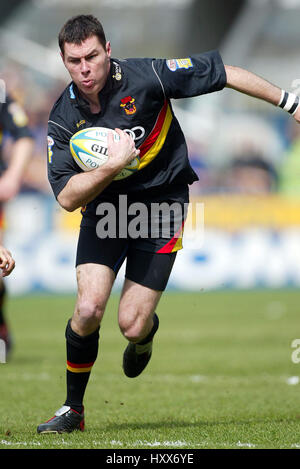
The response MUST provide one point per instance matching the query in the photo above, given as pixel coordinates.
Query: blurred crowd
(251, 171)
(246, 168)
(37, 100)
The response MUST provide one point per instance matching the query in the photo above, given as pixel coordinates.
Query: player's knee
(133, 334)
(132, 327)
(88, 312)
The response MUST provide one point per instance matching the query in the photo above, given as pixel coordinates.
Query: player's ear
(108, 48)
(62, 56)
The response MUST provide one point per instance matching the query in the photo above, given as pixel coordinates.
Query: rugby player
(13, 123)
(133, 95)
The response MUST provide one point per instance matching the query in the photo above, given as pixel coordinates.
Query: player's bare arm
(10, 181)
(84, 187)
(253, 85)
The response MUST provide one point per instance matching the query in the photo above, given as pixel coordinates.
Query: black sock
(81, 355)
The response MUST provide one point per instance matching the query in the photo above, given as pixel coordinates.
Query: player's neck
(95, 106)
(93, 101)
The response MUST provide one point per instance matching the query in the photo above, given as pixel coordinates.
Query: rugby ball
(89, 149)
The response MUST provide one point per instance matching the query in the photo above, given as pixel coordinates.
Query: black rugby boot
(65, 420)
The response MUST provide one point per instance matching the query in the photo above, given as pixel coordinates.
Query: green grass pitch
(221, 375)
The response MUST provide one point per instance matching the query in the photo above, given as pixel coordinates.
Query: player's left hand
(7, 263)
(9, 186)
(297, 115)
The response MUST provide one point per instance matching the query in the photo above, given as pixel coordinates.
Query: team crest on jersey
(118, 72)
(174, 64)
(128, 105)
(50, 143)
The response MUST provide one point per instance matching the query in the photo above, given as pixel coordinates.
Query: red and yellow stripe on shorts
(174, 244)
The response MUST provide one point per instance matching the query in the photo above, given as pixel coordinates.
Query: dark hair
(79, 28)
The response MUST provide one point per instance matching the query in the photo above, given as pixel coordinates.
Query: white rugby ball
(89, 149)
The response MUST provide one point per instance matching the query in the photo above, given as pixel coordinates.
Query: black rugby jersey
(136, 98)
(13, 122)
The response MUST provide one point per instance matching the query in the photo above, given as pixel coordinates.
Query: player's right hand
(123, 151)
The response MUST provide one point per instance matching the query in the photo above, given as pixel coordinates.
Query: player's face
(88, 64)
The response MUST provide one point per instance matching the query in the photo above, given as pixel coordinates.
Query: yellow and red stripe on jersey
(2, 220)
(155, 141)
(175, 243)
(79, 367)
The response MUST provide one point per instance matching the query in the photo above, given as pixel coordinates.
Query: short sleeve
(191, 76)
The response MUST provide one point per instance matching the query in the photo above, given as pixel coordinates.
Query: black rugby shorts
(146, 268)
(149, 257)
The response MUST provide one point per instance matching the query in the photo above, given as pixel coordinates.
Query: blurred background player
(13, 125)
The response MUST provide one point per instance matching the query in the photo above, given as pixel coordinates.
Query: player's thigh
(92, 249)
(94, 284)
(149, 269)
(97, 263)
